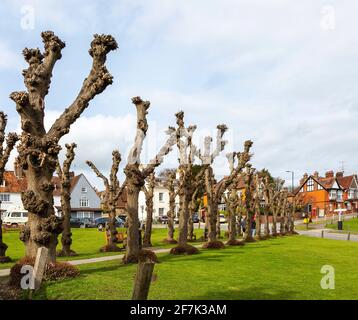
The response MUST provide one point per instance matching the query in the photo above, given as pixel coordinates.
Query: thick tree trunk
(232, 225)
(267, 224)
(183, 221)
(43, 227)
(274, 224)
(218, 225)
(248, 233)
(66, 238)
(171, 216)
(3, 246)
(212, 219)
(112, 229)
(258, 225)
(133, 234)
(148, 224)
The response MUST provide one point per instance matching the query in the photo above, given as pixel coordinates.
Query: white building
(85, 203)
(160, 203)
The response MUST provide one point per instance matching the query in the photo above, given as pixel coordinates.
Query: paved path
(6, 272)
(328, 234)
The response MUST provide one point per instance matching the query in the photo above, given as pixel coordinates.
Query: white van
(15, 218)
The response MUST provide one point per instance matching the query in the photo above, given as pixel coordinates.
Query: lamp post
(293, 179)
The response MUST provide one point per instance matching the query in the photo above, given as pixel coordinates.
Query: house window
(340, 195)
(84, 190)
(319, 187)
(310, 185)
(161, 211)
(161, 196)
(333, 194)
(5, 197)
(83, 214)
(84, 202)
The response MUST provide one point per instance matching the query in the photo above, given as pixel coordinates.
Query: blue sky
(281, 73)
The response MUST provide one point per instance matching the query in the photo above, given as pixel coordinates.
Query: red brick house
(323, 195)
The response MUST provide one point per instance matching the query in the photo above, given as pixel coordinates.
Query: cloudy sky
(282, 73)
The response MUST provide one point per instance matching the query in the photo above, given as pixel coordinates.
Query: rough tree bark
(275, 196)
(11, 140)
(38, 150)
(135, 176)
(149, 194)
(257, 205)
(283, 213)
(65, 181)
(170, 184)
(113, 190)
(249, 201)
(231, 201)
(192, 205)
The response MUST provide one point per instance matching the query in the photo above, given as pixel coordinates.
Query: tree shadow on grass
(253, 293)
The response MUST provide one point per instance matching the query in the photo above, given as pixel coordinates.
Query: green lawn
(348, 225)
(86, 242)
(282, 268)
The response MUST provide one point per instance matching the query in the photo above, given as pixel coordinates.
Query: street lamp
(293, 179)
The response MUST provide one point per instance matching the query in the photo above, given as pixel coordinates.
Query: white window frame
(84, 202)
(310, 185)
(3, 195)
(161, 212)
(161, 196)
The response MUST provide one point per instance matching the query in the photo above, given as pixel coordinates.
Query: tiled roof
(345, 182)
(14, 184)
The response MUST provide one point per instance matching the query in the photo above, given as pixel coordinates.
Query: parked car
(101, 222)
(15, 218)
(195, 218)
(87, 223)
(75, 223)
(222, 218)
(163, 219)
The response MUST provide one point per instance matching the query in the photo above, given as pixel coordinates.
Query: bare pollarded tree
(38, 150)
(5, 151)
(212, 190)
(170, 183)
(113, 190)
(276, 198)
(232, 201)
(294, 205)
(148, 190)
(215, 190)
(136, 175)
(188, 181)
(258, 197)
(250, 207)
(283, 212)
(65, 182)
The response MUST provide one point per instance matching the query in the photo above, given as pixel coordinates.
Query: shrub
(54, 271)
(184, 249)
(213, 245)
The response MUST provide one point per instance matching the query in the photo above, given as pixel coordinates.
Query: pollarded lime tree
(5, 151)
(113, 190)
(136, 175)
(148, 190)
(64, 175)
(39, 148)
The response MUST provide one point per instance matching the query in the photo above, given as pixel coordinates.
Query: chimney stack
(329, 174)
(305, 176)
(339, 174)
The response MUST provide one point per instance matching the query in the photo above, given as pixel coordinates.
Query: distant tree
(170, 183)
(5, 151)
(113, 190)
(65, 181)
(149, 195)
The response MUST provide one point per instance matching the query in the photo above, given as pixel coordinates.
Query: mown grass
(281, 268)
(348, 225)
(86, 242)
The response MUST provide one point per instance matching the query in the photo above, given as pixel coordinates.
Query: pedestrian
(243, 225)
(253, 226)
